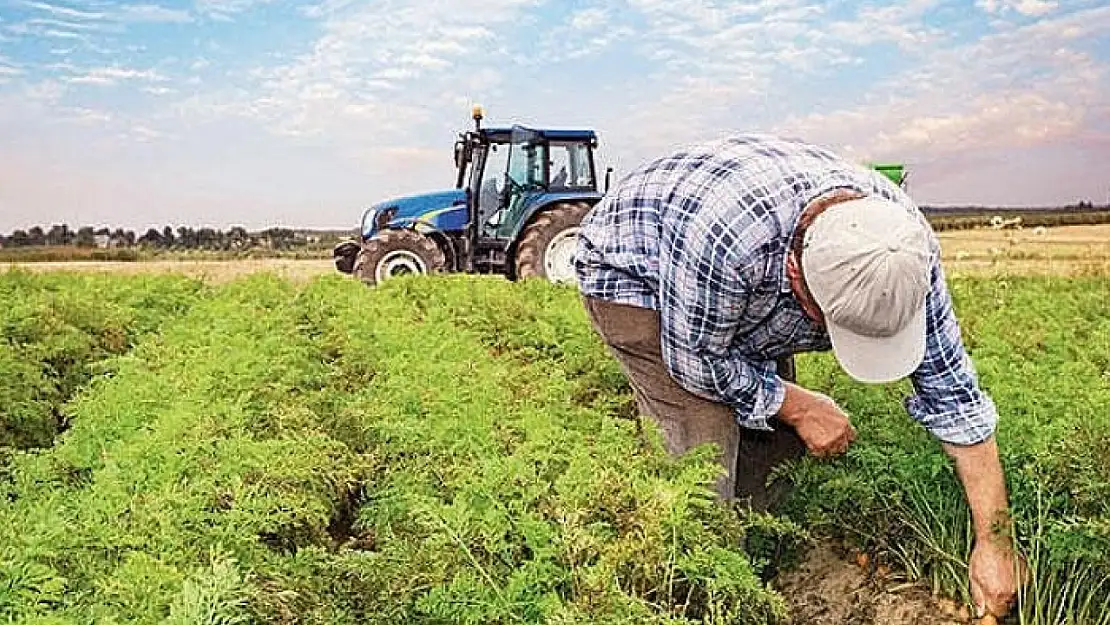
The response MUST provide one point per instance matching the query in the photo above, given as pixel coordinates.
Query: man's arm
(994, 567)
(952, 406)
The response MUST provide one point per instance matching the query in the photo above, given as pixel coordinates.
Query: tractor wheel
(398, 252)
(547, 246)
(344, 255)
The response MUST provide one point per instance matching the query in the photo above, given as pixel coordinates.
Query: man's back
(733, 201)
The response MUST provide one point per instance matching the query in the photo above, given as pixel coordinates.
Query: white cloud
(107, 76)
(64, 34)
(82, 115)
(1008, 90)
(151, 13)
(63, 11)
(390, 60)
(224, 10)
(1028, 8)
(589, 19)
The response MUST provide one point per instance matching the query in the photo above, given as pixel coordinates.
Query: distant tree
(152, 238)
(86, 237)
(102, 232)
(279, 238)
(59, 234)
(208, 239)
(35, 236)
(129, 237)
(167, 237)
(19, 238)
(186, 237)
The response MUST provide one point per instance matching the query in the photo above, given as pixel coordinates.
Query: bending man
(705, 269)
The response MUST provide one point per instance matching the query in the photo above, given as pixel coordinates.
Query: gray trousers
(687, 420)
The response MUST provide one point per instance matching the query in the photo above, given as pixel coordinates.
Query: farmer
(706, 269)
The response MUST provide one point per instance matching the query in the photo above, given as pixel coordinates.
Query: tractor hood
(441, 210)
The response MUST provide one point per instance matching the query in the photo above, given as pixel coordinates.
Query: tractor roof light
(477, 113)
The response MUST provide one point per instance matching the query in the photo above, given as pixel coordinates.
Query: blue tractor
(519, 196)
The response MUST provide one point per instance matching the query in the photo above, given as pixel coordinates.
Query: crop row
(53, 329)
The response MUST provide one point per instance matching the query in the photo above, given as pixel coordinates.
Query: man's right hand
(822, 425)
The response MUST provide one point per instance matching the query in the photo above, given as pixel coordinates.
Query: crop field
(1063, 250)
(273, 448)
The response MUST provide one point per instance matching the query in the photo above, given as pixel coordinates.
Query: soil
(829, 588)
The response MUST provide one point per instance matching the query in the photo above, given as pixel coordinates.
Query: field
(1064, 250)
(274, 443)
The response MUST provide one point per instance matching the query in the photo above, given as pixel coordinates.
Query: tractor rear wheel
(394, 253)
(548, 244)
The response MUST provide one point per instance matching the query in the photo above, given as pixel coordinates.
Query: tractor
(520, 194)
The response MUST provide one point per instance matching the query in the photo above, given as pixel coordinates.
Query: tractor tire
(344, 255)
(393, 253)
(547, 246)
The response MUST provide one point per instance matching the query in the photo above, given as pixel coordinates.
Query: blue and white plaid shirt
(701, 235)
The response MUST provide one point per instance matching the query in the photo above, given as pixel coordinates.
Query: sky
(301, 113)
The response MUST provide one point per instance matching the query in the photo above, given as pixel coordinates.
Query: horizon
(262, 113)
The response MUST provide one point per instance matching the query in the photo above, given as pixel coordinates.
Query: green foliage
(463, 450)
(1041, 348)
(346, 455)
(55, 328)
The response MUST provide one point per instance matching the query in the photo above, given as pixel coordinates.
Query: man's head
(866, 263)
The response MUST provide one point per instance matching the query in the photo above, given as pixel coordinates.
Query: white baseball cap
(867, 264)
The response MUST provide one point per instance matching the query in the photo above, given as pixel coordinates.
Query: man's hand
(995, 570)
(995, 574)
(823, 427)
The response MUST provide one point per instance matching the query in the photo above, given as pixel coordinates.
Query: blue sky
(267, 112)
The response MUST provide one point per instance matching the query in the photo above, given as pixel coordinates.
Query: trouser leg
(760, 452)
(686, 420)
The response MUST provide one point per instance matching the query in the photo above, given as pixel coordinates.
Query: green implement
(895, 171)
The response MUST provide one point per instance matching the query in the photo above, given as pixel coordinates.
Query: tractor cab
(510, 174)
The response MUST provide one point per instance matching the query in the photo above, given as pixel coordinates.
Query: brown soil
(829, 589)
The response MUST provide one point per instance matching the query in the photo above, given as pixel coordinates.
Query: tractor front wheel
(394, 253)
(548, 244)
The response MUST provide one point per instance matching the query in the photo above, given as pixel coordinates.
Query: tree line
(183, 237)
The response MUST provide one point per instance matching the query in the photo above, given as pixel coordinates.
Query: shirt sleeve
(948, 400)
(703, 291)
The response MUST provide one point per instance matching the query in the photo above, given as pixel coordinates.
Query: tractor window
(526, 164)
(493, 181)
(570, 166)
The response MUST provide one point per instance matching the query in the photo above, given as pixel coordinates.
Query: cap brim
(879, 360)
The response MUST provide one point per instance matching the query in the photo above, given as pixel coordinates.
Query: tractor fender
(541, 202)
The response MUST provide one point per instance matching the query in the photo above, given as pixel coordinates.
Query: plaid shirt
(701, 235)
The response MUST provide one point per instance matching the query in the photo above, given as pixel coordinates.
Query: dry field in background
(1064, 250)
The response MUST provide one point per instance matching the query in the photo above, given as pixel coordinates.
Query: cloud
(1009, 90)
(63, 11)
(1028, 8)
(225, 10)
(589, 19)
(346, 82)
(152, 13)
(107, 76)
